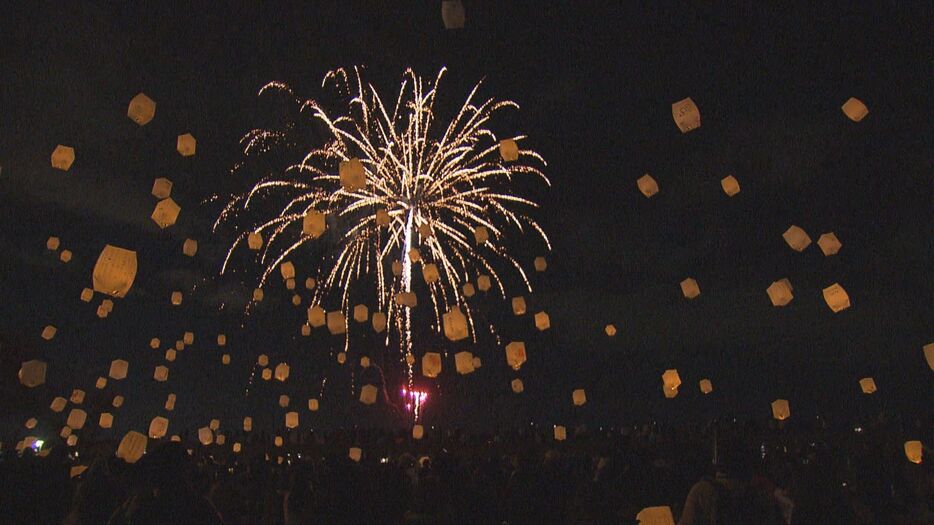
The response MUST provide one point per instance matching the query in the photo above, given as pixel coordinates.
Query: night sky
(595, 87)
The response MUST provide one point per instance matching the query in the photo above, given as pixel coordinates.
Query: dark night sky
(595, 88)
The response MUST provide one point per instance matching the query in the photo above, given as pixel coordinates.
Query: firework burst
(395, 187)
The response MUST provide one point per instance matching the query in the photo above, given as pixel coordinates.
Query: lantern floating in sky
(867, 385)
(780, 409)
(287, 270)
(352, 175)
(463, 362)
(118, 369)
(190, 247)
(452, 14)
(655, 516)
(929, 355)
(796, 238)
(379, 322)
(161, 374)
(282, 372)
(76, 418)
(141, 110)
(117, 401)
(186, 145)
(132, 446)
(481, 234)
(579, 397)
(247, 424)
(706, 386)
(382, 217)
(176, 298)
(779, 292)
(313, 405)
(258, 295)
(161, 188)
(65, 256)
(430, 273)
(689, 288)
(431, 364)
(854, 109)
(77, 396)
(509, 150)
(517, 386)
(561, 433)
(361, 313)
(114, 271)
(836, 298)
(58, 404)
(647, 185)
(205, 436)
(106, 420)
(165, 213)
(63, 157)
(314, 224)
(101, 383)
(542, 321)
(455, 324)
(355, 454)
(337, 323)
(291, 420)
(686, 115)
(609, 330)
(158, 427)
(32, 373)
(170, 402)
(671, 379)
(730, 185)
(829, 244)
(52, 243)
(368, 394)
(515, 354)
(407, 299)
(49, 332)
(518, 305)
(913, 451)
(418, 432)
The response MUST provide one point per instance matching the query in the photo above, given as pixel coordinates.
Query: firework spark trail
(436, 184)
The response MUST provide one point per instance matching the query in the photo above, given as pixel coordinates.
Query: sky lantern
(186, 145)
(509, 150)
(779, 292)
(352, 175)
(647, 185)
(515, 354)
(829, 244)
(730, 185)
(455, 324)
(32, 373)
(690, 288)
(63, 157)
(132, 446)
(115, 271)
(836, 298)
(368, 394)
(540, 264)
(431, 364)
(796, 238)
(579, 397)
(141, 109)
(517, 386)
(542, 321)
(452, 14)
(686, 115)
(655, 516)
(463, 362)
(780, 409)
(161, 188)
(854, 109)
(314, 224)
(165, 213)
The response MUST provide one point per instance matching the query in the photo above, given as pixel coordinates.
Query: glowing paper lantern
(928, 355)
(165, 213)
(361, 313)
(258, 294)
(430, 273)
(610, 330)
(779, 292)
(418, 432)
(379, 322)
(431, 364)
(406, 299)
(655, 516)
(310, 283)
(214, 424)
(141, 110)
(118, 369)
(368, 394)
(509, 150)
(313, 405)
(647, 185)
(468, 290)
(483, 283)
(101, 383)
(517, 386)
(836, 298)
(132, 446)
(670, 393)
(341, 358)
(158, 427)
(221, 340)
(355, 454)
(317, 317)
(71, 441)
(58, 404)
(397, 268)
(117, 402)
(106, 420)
(352, 175)
(686, 115)
(854, 109)
(515, 354)
(481, 234)
(225, 359)
(291, 420)
(161, 374)
(32, 373)
(236, 448)
(829, 244)
(314, 224)
(287, 270)
(114, 271)
(463, 361)
(170, 402)
(76, 418)
(262, 360)
(52, 243)
(706, 386)
(49, 332)
(796, 238)
(415, 255)
(247, 424)
(267, 374)
(382, 217)
(186, 145)
(205, 436)
(671, 379)
(452, 13)
(780, 409)
(477, 363)
(63, 157)
(282, 372)
(730, 185)
(87, 294)
(579, 397)
(913, 451)
(154, 343)
(337, 323)
(689, 288)
(190, 247)
(561, 433)
(77, 396)
(542, 321)
(867, 385)
(518, 305)
(455, 324)
(161, 188)
(540, 264)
